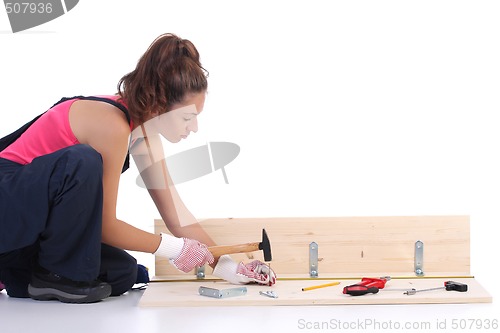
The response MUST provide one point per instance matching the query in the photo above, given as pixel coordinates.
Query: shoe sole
(47, 294)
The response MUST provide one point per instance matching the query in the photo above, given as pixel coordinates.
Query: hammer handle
(220, 250)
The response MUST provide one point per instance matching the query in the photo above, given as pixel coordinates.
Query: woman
(60, 237)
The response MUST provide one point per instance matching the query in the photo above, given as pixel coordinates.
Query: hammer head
(265, 246)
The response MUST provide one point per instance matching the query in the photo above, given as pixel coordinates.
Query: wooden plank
(348, 246)
(185, 294)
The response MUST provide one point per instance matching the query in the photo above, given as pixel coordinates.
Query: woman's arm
(105, 128)
(149, 158)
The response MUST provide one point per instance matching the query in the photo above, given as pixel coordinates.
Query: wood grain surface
(185, 294)
(348, 246)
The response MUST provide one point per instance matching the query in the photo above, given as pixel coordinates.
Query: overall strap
(98, 99)
(9, 139)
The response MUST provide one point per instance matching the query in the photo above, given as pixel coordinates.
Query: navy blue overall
(51, 216)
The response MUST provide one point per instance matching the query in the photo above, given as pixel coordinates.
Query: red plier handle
(359, 290)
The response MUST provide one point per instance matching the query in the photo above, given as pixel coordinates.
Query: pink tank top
(48, 134)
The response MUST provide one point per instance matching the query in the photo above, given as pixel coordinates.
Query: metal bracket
(270, 294)
(200, 272)
(419, 258)
(313, 259)
(223, 293)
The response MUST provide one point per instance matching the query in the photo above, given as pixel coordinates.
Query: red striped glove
(193, 254)
(258, 272)
(240, 273)
(184, 253)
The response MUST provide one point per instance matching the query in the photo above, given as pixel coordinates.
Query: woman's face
(178, 123)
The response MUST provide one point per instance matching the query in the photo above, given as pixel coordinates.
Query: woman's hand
(240, 273)
(184, 253)
(193, 254)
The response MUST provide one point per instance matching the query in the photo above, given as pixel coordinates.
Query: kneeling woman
(60, 237)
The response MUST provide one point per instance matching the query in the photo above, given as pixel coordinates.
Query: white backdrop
(345, 108)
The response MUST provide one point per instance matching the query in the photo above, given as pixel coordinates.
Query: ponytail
(169, 70)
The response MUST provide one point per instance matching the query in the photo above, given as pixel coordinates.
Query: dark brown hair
(169, 70)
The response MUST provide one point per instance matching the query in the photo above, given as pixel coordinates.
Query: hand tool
(448, 285)
(321, 286)
(366, 286)
(265, 246)
(402, 289)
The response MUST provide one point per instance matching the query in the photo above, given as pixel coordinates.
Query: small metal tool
(410, 290)
(448, 285)
(414, 291)
(223, 293)
(269, 293)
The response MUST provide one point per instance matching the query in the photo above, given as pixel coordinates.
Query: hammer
(265, 246)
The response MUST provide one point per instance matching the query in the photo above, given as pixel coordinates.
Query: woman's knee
(82, 162)
(126, 281)
(86, 157)
(118, 268)
(73, 169)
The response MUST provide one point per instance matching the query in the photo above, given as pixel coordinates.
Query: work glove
(184, 254)
(240, 273)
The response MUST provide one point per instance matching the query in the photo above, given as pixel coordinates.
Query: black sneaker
(46, 286)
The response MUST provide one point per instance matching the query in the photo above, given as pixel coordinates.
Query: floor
(122, 314)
